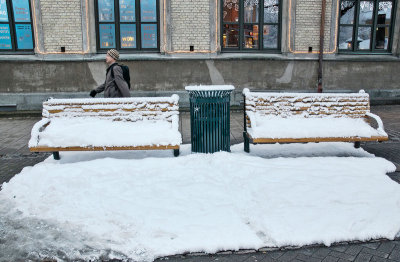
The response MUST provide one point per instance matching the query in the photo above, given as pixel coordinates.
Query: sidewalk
(15, 155)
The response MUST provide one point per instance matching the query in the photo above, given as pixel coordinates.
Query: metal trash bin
(210, 118)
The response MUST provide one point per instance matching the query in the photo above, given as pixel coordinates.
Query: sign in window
(107, 36)
(5, 37)
(128, 35)
(149, 36)
(148, 10)
(3, 11)
(24, 36)
(127, 11)
(106, 10)
(21, 11)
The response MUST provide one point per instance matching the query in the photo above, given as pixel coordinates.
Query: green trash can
(210, 118)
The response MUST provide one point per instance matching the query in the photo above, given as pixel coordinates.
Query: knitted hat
(113, 53)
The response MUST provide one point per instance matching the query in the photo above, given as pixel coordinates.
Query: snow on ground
(143, 205)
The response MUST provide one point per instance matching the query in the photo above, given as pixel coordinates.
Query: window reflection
(346, 38)
(270, 34)
(231, 11)
(382, 38)
(366, 11)
(347, 9)
(250, 24)
(251, 10)
(251, 36)
(271, 11)
(364, 38)
(231, 36)
(365, 25)
(384, 13)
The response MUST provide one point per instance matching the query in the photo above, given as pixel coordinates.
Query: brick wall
(62, 25)
(190, 25)
(307, 26)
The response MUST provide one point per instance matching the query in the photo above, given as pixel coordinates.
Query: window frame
(241, 48)
(12, 24)
(355, 27)
(117, 24)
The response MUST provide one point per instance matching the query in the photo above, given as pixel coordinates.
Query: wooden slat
(98, 148)
(310, 99)
(316, 139)
(108, 103)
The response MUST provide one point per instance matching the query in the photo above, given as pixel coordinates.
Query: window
(131, 25)
(16, 31)
(248, 27)
(365, 26)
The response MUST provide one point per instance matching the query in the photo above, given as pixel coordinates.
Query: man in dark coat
(113, 86)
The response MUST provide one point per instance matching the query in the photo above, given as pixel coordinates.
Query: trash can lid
(210, 88)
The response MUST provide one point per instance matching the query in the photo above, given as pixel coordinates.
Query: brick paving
(14, 156)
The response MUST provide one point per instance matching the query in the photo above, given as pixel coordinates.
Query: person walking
(114, 85)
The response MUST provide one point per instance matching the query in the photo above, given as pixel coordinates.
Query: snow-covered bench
(309, 117)
(136, 123)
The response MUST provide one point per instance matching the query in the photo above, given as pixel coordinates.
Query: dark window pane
(106, 10)
(251, 10)
(5, 37)
(127, 10)
(250, 36)
(24, 36)
(347, 9)
(148, 10)
(3, 11)
(107, 35)
(364, 38)
(271, 11)
(382, 38)
(384, 12)
(231, 36)
(149, 36)
(231, 11)
(366, 11)
(21, 11)
(346, 38)
(128, 35)
(270, 34)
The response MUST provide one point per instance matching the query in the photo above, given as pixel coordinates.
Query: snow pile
(88, 132)
(296, 96)
(157, 206)
(210, 88)
(119, 100)
(299, 127)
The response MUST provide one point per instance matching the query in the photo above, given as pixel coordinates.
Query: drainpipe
(321, 46)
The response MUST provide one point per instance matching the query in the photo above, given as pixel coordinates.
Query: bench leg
(56, 155)
(357, 144)
(176, 152)
(246, 143)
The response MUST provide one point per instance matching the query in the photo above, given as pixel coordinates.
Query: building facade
(55, 48)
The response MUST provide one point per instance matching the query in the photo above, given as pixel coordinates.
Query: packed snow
(87, 132)
(210, 88)
(121, 100)
(148, 204)
(299, 127)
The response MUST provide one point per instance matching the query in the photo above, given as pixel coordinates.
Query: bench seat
(107, 124)
(308, 117)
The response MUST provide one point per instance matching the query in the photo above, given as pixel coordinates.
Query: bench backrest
(354, 105)
(126, 109)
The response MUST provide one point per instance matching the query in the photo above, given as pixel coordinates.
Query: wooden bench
(309, 117)
(101, 124)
